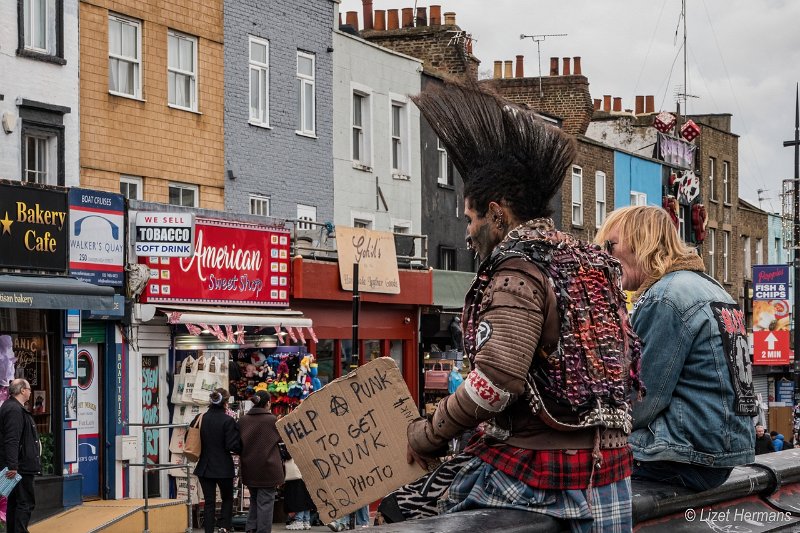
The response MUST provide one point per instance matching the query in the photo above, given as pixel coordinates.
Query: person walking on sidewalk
(262, 468)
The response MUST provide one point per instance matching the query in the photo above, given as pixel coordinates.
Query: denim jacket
(696, 367)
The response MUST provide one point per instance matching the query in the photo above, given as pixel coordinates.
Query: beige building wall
(145, 137)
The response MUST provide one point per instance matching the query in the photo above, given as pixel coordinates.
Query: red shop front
(388, 323)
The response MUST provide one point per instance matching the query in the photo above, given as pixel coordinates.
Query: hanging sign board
(349, 438)
(164, 234)
(771, 315)
(375, 254)
(231, 263)
(96, 236)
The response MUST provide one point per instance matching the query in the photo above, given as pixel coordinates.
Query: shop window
(349, 362)
(325, 360)
(396, 352)
(372, 350)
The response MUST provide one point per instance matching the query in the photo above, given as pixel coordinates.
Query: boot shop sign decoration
(231, 263)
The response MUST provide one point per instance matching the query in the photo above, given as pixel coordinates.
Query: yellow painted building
(151, 99)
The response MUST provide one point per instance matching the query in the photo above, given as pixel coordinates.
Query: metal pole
(146, 488)
(356, 305)
(796, 227)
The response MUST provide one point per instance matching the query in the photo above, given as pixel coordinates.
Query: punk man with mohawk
(553, 357)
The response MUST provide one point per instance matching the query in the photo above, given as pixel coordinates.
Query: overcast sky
(743, 59)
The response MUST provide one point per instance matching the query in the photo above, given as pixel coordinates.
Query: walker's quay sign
(164, 234)
(96, 236)
(33, 228)
(231, 263)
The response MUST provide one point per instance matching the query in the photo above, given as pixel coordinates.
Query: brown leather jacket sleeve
(510, 328)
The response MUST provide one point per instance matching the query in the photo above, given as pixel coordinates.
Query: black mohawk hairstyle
(502, 151)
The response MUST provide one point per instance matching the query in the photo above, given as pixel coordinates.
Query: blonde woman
(694, 425)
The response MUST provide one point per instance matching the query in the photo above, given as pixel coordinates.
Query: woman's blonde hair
(650, 234)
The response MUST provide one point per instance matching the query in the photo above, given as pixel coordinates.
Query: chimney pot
(520, 67)
(508, 71)
(554, 66)
(639, 104)
(380, 20)
(436, 16)
(498, 70)
(340, 18)
(566, 66)
(352, 19)
(597, 104)
(617, 103)
(576, 66)
(422, 16)
(450, 18)
(650, 104)
(393, 16)
(606, 102)
(408, 17)
(367, 10)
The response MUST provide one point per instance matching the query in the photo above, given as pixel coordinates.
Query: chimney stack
(498, 70)
(617, 103)
(508, 71)
(639, 109)
(554, 66)
(607, 102)
(649, 104)
(436, 16)
(394, 19)
(566, 66)
(450, 18)
(422, 16)
(352, 19)
(576, 65)
(597, 104)
(340, 18)
(380, 20)
(367, 9)
(408, 17)
(520, 67)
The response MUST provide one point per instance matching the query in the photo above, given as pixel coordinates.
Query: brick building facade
(159, 141)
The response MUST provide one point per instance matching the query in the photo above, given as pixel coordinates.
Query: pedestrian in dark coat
(763, 441)
(19, 453)
(261, 464)
(219, 438)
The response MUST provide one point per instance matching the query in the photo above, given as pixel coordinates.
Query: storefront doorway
(90, 433)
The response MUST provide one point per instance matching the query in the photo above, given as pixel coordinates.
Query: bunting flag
(217, 332)
(302, 337)
(194, 330)
(229, 333)
(239, 334)
(290, 331)
(278, 334)
(174, 317)
(313, 335)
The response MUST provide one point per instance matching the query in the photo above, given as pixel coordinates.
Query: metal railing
(318, 241)
(155, 467)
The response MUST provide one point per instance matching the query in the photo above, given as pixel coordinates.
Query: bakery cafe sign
(33, 228)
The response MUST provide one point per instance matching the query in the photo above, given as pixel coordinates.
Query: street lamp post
(796, 218)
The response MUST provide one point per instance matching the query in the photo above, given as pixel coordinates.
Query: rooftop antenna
(538, 39)
(761, 197)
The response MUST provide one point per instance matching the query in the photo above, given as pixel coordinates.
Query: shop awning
(53, 292)
(450, 287)
(234, 316)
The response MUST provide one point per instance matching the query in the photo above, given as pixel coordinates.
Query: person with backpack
(695, 358)
(551, 438)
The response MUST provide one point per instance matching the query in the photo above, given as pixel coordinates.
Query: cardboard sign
(349, 438)
(376, 257)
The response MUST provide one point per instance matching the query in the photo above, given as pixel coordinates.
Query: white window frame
(262, 118)
(402, 224)
(29, 23)
(638, 198)
(132, 180)
(600, 198)
(712, 243)
(726, 183)
(304, 81)
(746, 253)
(136, 61)
(712, 192)
(399, 142)
(577, 197)
(49, 145)
(448, 254)
(759, 251)
(445, 167)
(364, 219)
(365, 159)
(726, 266)
(193, 74)
(186, 187)
(682, 222)
(260, 200)
(307, 213)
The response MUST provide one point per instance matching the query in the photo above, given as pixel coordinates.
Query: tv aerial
(538, 40)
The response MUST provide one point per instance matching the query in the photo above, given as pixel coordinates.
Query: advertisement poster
(232, 263)
(771, 315)
(88, 419)
(96, 236)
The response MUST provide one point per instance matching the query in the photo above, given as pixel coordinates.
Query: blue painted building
(637, 180)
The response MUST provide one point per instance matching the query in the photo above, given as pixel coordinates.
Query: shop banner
(675, 152)
(96, 236)
(164, 234)
(33, 228)
(232, 263)
(771, 315)
(375, 253)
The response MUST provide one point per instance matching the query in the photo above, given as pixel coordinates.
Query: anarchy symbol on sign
(339, 406)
